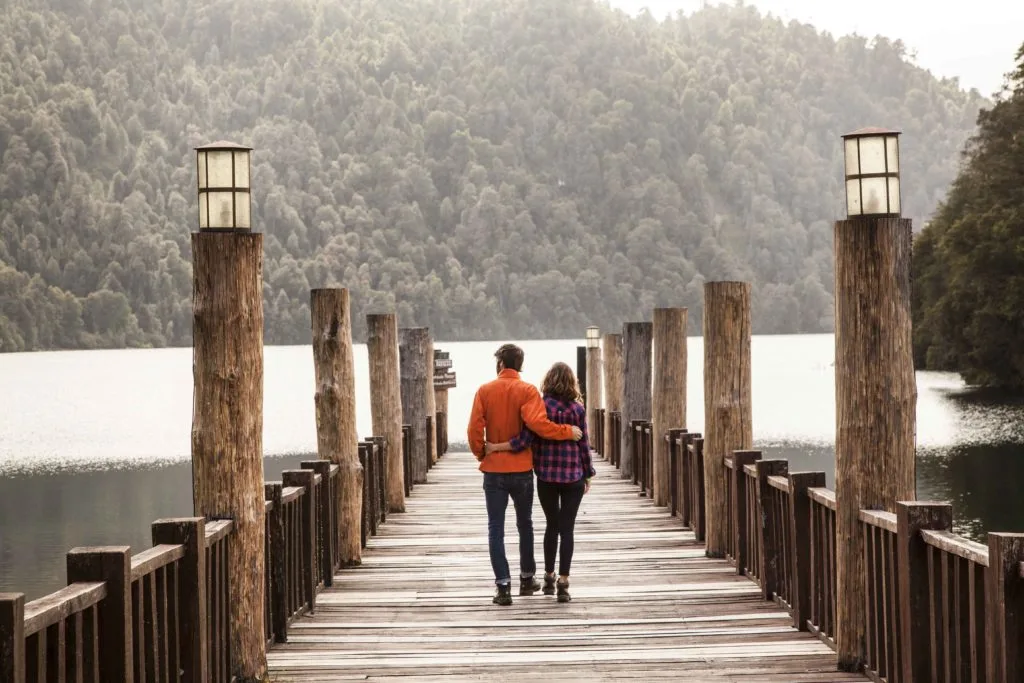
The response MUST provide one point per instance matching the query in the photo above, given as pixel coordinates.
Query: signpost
(444, 379)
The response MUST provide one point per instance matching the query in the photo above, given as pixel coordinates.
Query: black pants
(561, 502)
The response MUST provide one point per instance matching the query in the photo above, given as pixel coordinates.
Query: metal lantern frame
(593, 337)
(239, 187)
(855, 177)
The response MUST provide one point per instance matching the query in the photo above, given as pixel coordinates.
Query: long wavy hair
(560, 382)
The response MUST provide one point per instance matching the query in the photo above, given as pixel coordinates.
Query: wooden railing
(162, 615)
(614, 438)
(597, 441)
(939, 607)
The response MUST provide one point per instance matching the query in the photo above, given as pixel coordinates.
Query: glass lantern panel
(872, 155)
(242, 170)
(221, 209)
(852, 162)
(873, 196)
(218, 166)
(242, 210)
(201, 169)
(853, 197)
(894, 195)
(203, 222)
(892, 153)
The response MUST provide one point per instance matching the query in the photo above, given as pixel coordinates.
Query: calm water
(94, 445)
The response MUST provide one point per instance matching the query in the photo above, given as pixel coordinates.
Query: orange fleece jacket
(501, 408)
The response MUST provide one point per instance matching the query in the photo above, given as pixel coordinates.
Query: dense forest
(490, 168)
(969, 260)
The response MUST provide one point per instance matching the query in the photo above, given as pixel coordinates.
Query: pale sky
(974, 41)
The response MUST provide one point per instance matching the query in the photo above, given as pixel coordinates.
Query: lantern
(872, 173)
(224, 199)
(593, 337)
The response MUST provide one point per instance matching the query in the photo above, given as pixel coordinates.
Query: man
(501, 408)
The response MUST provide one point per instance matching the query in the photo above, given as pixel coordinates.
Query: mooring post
(612, 393)
(669, 397)
(595, 393)
(431, 399)
(728, 413)
(876, 393)
(636, 352)
(386, 400)
(413, 347)
(336, 410)
(12, 637)
(227, 416)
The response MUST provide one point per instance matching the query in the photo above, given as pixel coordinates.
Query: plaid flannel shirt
(559, 462)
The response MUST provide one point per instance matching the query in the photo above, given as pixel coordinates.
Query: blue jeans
(497, 490)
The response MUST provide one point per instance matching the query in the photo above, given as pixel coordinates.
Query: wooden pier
(646, 602)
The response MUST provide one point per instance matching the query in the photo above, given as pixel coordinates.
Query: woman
(564, 470)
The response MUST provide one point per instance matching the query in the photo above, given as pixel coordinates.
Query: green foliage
(969, 261)
(512, 168)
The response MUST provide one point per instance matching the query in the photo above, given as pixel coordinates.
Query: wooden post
(595, 395)
(728, 415)
(800, 542)
(406, 457)
(336, 410)
(431, 400)
(191, 608)
(669, 397)
(324, 518)
(876, 398)
(304, 479)
(416, 364)
(1004, 607)
(112, 565)
(771, 556)
(227, 424)
(386, 400)
(740, 459)
(636, 353)
(581, 371)
(612, 390)
(441, 420)
(12, 637)
(913, 586)
(276, 563)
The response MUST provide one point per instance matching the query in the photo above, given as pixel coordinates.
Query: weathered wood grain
(612, 357)
(876, 397)
(728, 414)
(669, 393)
(647, 603)
(386, 400)
(336, 409)
(227, 423)
(636, 386)
(415, 375)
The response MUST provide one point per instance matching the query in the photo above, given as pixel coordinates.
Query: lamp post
(876, 393)
(227, 417)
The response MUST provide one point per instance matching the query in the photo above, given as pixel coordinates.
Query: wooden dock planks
(646, 603)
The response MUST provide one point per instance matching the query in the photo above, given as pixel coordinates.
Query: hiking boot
(563, 592)
(528, 586)
(549, 584)
(503, 596)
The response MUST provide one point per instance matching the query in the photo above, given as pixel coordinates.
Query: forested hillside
(969, 261)
(492, 168)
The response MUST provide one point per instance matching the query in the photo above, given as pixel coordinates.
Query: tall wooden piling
(728, 415)
(227, 423)
(595, 393)
(636, 393)
(876, 397)
(415, 374)
(431, 399)
(612, 382)
(336, 435)
(669, 396)
(441, 420)
(386, 400)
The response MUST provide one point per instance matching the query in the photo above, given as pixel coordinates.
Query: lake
(94, 445)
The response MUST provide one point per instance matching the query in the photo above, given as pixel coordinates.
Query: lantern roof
(870, 131)
(222, 145)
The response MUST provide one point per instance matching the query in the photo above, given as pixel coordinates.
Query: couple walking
(512, 432)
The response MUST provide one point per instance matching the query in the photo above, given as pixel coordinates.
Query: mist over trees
(490, 168)
(968, 301)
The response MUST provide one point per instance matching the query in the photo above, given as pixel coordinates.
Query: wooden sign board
(444, 380)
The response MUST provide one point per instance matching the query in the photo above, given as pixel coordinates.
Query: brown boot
(563, 590)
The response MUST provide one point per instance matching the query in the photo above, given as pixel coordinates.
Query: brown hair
(560, 382)
(510, 356)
